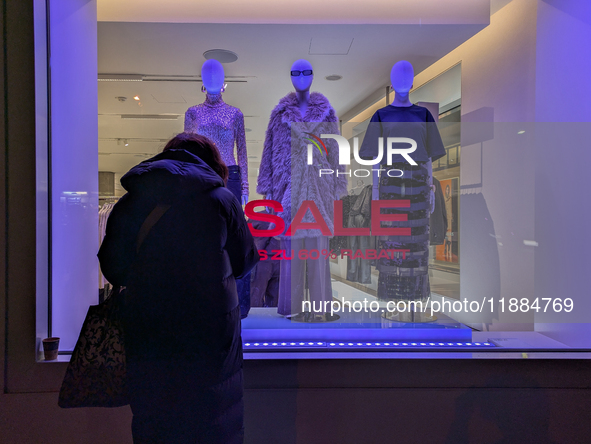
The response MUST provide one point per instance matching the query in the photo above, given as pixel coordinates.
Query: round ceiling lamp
(334, 77)
(221, 55)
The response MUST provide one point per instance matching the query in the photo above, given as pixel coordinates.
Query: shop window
(149, 76)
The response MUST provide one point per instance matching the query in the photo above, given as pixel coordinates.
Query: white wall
(74, 165)
(563, 208)
(496, 175)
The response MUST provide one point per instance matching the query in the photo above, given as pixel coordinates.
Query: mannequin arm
(432, 187)
(241, 154)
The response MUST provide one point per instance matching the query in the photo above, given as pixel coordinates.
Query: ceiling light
(121, 98)
(221, 55)
(520, 132)
(136, 97)
(135, 139)
(334, 77)
(150, 116)
(120, 78)
(125, 142)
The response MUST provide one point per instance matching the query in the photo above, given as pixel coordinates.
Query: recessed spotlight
(121, 98)
(333, 77)
(221, 55)
(520, 132)
(125, 142)
(136, 97)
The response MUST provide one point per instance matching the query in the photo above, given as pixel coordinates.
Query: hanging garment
(438, 219)
(104, 213)
(224, 125)
(338, 243)
(359, 270)
(405, 276)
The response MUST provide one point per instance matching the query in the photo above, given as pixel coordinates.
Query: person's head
(212, 75)
(402, 77)
(302, 80)
(201, 147)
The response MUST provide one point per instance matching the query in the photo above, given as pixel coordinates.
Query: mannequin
(224, 124)
(284, 176)
(402, 79)
(405, 278)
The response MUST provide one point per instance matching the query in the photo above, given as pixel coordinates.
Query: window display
(388, 212)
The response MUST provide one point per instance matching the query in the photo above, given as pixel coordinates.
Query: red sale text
(319, 223)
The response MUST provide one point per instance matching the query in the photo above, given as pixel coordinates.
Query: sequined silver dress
(224, 124)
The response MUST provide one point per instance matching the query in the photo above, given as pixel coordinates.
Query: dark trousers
(264, 285)
(234, 184)
(359, 270)
(243, 284)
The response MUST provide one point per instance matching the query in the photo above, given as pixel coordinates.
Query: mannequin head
(402, 77)
(302, 82)
(212, 74)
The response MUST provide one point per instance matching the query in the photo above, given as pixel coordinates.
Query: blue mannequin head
(212, 75)
(402, 77)
(302, 82)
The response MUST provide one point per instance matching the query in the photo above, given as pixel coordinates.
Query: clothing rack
(104, 212)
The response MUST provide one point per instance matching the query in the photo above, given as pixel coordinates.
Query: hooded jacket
(285, 175)
(181, 306)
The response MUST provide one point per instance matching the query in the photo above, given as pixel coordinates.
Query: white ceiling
(301, 12)
(256, 81)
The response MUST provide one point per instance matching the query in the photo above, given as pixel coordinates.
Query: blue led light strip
(341, 345)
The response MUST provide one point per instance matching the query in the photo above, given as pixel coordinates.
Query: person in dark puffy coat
(181, 317)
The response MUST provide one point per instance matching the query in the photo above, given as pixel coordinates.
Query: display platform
(265, 329)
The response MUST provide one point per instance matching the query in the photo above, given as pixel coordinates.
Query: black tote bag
(95, 376)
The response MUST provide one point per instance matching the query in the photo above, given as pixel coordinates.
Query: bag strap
(150, 221)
